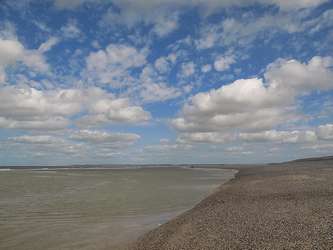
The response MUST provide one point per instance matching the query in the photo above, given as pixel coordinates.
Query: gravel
(280, 206)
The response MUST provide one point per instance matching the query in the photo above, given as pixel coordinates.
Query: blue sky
(124, 81)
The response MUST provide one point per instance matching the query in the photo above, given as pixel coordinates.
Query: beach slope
(281, 206)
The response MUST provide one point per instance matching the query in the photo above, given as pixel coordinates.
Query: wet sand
(280, 206)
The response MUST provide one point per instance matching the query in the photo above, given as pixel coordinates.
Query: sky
(165, 81)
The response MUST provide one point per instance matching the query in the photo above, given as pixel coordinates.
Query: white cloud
(71, 30)
(296, 136)
(164, 141)
(325, 20)
(95, 136)
(165, 147)
(10, 52)
(164, 25)
(206, 68)
(325, 132)
(242, 104)
(145, 6)
(223, 63)
(49, 44)
(255, 104)
(74, 143)
(104, 108)
(158, 92)
(35, 123)
(293, 76)
(209, 36)
(204, 137)
(152, 88)
(110, 66)
(243, 31)
(29, 108)
(35, 60)
(37, 139)
(187, 69)
(72, 4)
(161, 14)
(44, 146)
(162, 65)
(208, 6)
(290, 5)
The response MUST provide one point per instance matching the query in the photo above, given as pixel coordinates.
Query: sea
(95, 208)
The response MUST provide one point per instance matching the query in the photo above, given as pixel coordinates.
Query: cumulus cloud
(76, 143)
(310, 136)
(206, 68)
(165, 147)
(12, 51)
(223, 63)
(35, 123)
(95, 136)
(29, 108)
(165, 24)
(162, 65)
(325, 132)
(41, 145)
(209, 37)
(292, 75)
(152, 87)
(35, 60)
(243, 104)
(187, 69)
(37, 139)
(280, 136)
(111, 66)
(257, 104)
(158, 92)
(204, 137)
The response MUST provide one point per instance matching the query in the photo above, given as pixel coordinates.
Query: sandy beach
(277, 206)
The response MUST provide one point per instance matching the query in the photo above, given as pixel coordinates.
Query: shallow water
(95, 209)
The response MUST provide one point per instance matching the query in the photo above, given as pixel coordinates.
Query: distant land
(115, 166)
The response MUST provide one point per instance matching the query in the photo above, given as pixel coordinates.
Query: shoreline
(286, 205)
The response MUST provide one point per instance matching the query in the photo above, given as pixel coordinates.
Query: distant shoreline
(276, 206)
(186, 165)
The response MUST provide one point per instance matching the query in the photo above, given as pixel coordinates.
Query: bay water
(56, 209)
